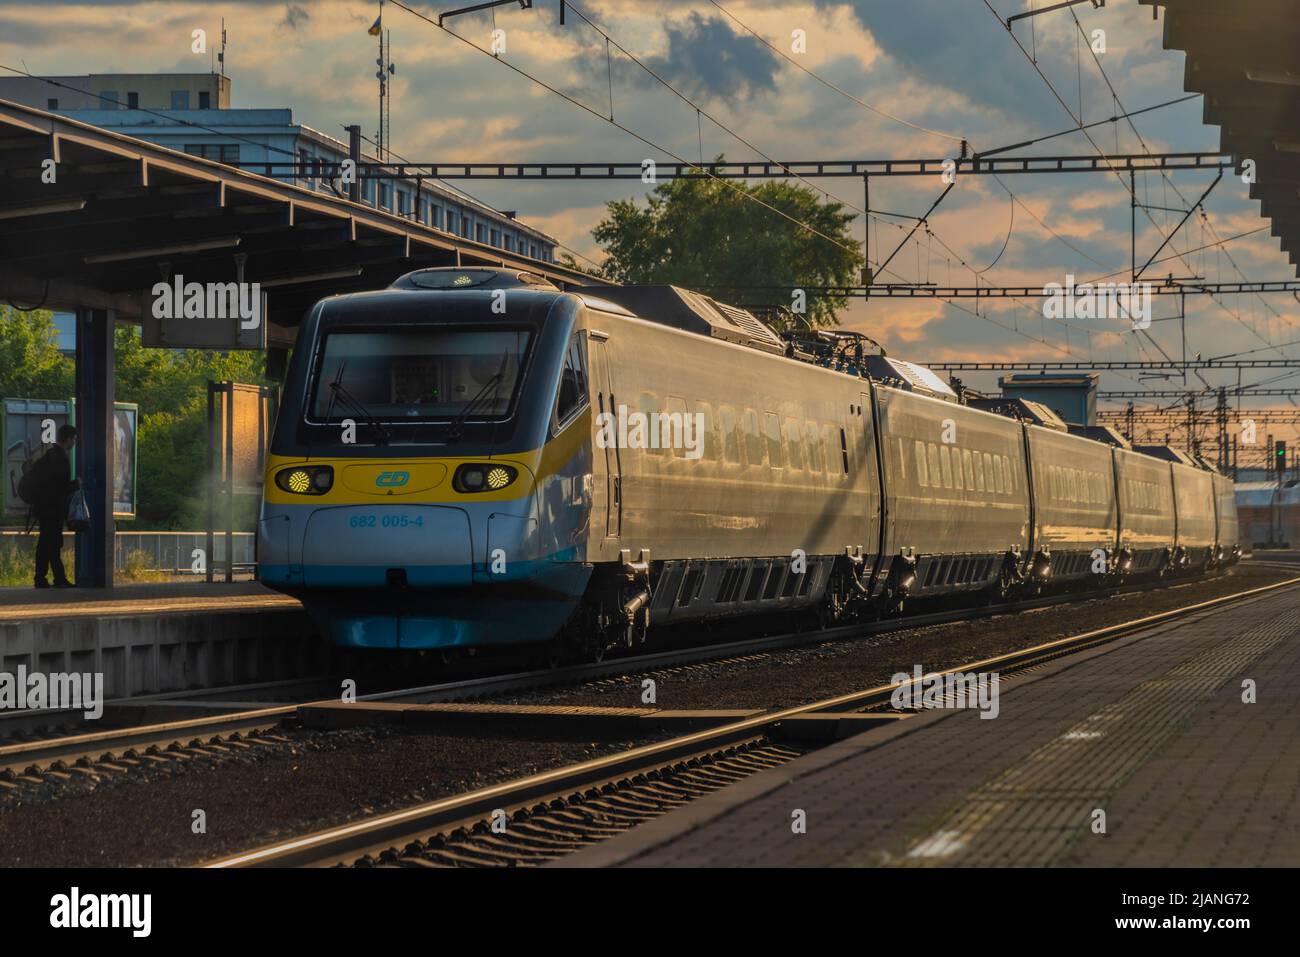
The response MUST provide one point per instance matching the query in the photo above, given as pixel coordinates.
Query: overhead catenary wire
(1081, 128)
(1204, 215)
(626, 129)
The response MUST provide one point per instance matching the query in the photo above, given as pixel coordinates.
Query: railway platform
(1142, 752)
(153, 638)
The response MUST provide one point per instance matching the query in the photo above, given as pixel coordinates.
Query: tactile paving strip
(1034, 809)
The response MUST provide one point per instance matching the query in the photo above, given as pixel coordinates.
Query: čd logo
(392, 479)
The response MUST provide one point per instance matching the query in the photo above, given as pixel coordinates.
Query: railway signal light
(1279, 456)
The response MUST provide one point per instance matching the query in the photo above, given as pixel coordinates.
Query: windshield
(421, 374)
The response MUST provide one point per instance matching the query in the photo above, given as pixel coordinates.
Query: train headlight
(306, 479)
(483, 478)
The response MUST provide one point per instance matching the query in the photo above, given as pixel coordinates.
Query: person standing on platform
(54, 487)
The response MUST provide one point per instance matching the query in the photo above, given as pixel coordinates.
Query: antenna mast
(386, 69)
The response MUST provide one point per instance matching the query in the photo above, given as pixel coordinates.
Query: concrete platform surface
(23, 604)
(1151, 731)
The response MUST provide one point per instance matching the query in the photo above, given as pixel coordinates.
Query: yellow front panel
(395, 478)
(429, 479)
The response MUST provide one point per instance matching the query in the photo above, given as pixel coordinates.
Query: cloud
(294, 17)
(706, 59)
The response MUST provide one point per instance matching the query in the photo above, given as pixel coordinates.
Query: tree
(31, 366)
(170, 387)
(705, 232)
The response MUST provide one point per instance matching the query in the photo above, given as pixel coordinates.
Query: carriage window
(707, 440)
(793, 444)
(649, 407)
(828, 443)
(753, 439)
(772, 430)
(673, 435)
(997, 474)
(921, 477)
(945, 461)
(573, 381)
(814, 447)
(956, 469)
(730, 435)
(968, 468)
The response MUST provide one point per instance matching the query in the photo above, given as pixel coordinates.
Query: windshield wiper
(339, 391)
(456, 428)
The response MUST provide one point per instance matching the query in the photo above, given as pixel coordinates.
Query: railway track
(544, 817)
(26, 761)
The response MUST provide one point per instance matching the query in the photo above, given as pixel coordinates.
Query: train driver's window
(573, 383)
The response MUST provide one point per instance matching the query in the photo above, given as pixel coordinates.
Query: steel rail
(336, 844)
(92, 744)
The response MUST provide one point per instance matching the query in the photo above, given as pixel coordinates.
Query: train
(476, 458)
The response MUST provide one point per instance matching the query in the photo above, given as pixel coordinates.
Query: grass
(18, 563)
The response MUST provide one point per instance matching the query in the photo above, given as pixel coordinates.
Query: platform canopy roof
(1244, 57)
(123, 214)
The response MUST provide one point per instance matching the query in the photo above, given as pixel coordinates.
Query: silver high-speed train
(475, 457)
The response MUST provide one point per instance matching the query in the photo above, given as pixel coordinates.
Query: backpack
(28, 483)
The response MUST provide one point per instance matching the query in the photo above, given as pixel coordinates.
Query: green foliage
(171, 389)
(170, 386)
(18, 558)
(31, 366)
(699, 233)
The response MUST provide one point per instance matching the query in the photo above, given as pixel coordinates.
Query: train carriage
(1076, 514)
(1195, 525)
(782, 486)
(1147, 529)
(1227, 530)
(956, 495)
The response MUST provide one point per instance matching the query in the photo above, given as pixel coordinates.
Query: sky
(931, 72)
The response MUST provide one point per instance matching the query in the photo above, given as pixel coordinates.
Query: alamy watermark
(38, 691)
(75, 909)
(651, 430)
(1103, 300)
(179, 299)
(954, 689)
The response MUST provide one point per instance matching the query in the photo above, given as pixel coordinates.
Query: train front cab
(433, 529)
